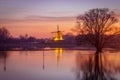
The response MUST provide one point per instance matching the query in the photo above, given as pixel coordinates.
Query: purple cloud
(39, 18)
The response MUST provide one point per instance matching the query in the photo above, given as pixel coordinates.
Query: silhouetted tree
(98, 26)
(4, 35)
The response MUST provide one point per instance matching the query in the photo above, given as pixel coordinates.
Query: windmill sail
(58, 35)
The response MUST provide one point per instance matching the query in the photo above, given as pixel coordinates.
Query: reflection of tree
(43, 60)
(92, 67)
(3, 57)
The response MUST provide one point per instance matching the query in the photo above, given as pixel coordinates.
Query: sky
(39, 18)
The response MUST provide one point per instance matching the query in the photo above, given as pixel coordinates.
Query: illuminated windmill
(58, 36)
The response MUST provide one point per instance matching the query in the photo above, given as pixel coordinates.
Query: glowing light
(58, 52)
(58, 36)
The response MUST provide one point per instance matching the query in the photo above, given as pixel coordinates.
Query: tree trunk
(98, 50)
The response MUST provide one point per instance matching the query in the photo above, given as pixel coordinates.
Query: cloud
(49, 18)
(39, 19)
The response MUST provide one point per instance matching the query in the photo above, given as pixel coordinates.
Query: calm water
(59, 65)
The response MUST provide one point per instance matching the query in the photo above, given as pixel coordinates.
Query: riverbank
(64, 48)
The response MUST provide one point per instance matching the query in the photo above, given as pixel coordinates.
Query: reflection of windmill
(58, 36)
(58, 52)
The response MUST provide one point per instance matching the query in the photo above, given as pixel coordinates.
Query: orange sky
(39, 29)
(39, 18)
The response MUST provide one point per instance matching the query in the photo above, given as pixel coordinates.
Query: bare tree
(98, 26)
(4, 36)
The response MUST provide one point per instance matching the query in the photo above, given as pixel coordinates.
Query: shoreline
(51, 48)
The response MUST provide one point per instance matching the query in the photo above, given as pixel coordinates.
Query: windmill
(58, 36)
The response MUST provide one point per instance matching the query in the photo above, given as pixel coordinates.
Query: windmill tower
(58, 36)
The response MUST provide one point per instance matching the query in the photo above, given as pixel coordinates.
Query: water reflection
(73, 65)
(3, 59)
(58, 53)
(96, 67)
(43, 60)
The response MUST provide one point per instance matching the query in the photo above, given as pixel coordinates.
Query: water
(59, 65)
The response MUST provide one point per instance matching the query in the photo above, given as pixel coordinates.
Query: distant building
(59, 35)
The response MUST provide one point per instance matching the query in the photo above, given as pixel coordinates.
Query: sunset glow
(59, 39)
(39, 18)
